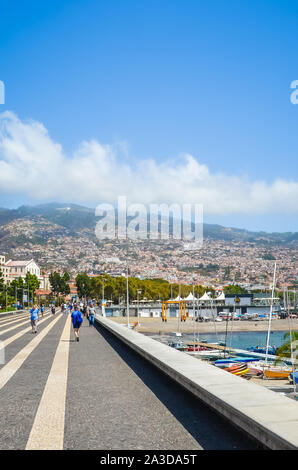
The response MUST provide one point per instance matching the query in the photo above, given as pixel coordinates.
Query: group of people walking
(76, 311)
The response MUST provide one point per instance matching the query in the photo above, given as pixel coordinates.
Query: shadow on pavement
(209, 429)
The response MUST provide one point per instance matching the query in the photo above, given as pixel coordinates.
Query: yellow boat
(277, 373)
(241, 372)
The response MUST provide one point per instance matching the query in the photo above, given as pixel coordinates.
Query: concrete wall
(266, 416)
(14, 312)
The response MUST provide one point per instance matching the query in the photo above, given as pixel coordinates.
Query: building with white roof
(18, 269)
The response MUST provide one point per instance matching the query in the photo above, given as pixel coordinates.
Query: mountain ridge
(76, 217)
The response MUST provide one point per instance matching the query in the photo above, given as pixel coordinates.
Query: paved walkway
(56, 393)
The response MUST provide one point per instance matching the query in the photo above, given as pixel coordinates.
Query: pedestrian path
(20, 322)
(8, 320)
(56, 393)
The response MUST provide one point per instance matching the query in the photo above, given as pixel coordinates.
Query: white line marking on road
(13, 319)
(47, 432)
(6, 342)
(9, 369)
(20, 324)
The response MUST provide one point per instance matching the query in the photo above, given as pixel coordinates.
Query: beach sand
(157, 326)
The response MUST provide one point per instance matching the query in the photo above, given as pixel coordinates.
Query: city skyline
(159, 103)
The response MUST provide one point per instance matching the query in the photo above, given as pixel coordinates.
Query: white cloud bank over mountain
(34, 166)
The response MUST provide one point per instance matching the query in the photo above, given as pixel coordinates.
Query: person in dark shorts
(42, 309)
(34, 312)
(77, 320)
(91, 316)
(84, 310)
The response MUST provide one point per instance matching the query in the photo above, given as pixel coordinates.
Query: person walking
(77, 321)
(42, 309)
(53, 309)
(84, 310)
(91, 316)
(34, 312)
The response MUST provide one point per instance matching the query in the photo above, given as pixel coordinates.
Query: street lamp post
(138, 292)
(127, 296)
(103, 309)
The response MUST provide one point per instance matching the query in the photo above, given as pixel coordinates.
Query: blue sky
(159, 79)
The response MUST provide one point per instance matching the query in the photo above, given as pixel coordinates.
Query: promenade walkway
(56, 393)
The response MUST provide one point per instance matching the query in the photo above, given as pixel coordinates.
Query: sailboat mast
(270, 314)
(291, 345)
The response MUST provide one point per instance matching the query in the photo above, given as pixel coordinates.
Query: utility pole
(127, 296)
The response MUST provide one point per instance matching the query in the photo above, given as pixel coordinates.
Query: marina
(246, 363)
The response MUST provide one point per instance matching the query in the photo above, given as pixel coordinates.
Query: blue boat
(258, 349)
(235, 359)
(296, 376)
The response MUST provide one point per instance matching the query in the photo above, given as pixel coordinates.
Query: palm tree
(285, 349)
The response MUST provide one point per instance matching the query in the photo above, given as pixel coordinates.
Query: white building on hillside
(4, 269)
(16, 269)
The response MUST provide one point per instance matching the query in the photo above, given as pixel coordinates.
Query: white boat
(175, 333)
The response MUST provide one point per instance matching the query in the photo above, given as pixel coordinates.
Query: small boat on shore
(262, 350)
(237, 369)
(276, 373)
(254, 372)
(296, 376)
(177, 345)
(235, 360)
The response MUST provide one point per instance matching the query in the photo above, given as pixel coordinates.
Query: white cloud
(34, 166)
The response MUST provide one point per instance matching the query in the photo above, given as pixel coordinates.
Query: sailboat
(273, 372)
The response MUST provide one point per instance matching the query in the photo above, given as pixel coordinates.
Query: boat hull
(276, 374)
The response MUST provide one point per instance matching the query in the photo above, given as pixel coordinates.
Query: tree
(55, 281)
(64, 284)
(285, 349)
(83, 285)
(60, 285)
(32, 281)
(234, 289)
(15, 289)
(2, 285)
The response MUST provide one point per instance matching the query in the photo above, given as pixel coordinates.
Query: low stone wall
(268, 417)
(13, 312)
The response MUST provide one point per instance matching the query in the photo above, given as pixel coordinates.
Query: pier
(118, 389)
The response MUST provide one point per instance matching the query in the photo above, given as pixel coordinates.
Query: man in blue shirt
(42, 309)
(77, 320)
(34, 312)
